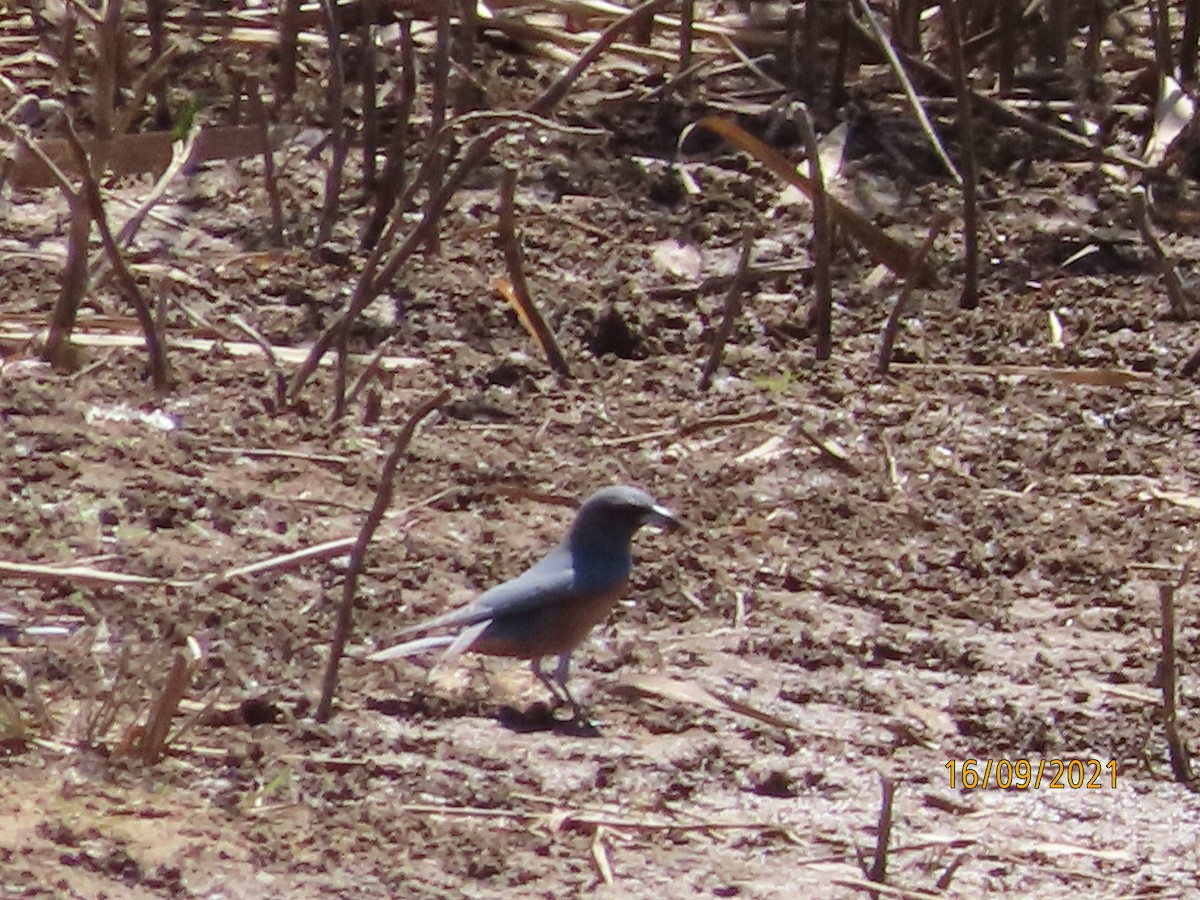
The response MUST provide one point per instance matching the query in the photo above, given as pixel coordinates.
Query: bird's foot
(541, 717)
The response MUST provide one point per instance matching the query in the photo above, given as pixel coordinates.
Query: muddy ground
(970, 569)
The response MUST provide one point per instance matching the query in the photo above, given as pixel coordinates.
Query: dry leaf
(697, 695)
(680, 260)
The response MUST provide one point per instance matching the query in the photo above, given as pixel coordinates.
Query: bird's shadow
(540, 718)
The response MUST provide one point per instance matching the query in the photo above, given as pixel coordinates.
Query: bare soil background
(975, 578)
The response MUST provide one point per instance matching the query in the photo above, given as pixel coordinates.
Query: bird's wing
(549, 582)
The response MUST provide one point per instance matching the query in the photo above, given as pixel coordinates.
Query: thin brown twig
(438, 103)
(822, 240)
(1180, 308)
(370, 371)
(1181, 764)
(337, 126)
(91, 194)
(369, 67)
(269, 353)
(883, 832)
(391, 182)
(687, 13)
(898, 68)
(733, 308)
(258, 118)
(521, 299)
(383, 499)
(289, 34)
(153, 741)
(888, 341)
(969, 298)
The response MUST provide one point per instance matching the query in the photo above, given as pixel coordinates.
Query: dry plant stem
(286, 561)
(156, 13)
(888, 341)
(1091, 54)
(391, 182)
(74, 283)
(822, 239)
(969, 298)
(154, 77)
(1191, 37)
(893, 58)
(269, 352)
(57, 350)
(337, 127)
(1160, 21)
(1166, 269)
(289, 34)
(258, 118)
(91, 193)
(369, 372)
(687, 14)
(154, 740)
(437, 118)
(108, 39)
(475, 153)
(1006, 65)
(733, 308)
(883, 833)
(370, 75)
(468, 24)
(513, 259)
(1181, 764)
(943, 882)
(96, 724)
(383, 499)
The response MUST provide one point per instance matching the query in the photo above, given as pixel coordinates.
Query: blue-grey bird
(550, 609)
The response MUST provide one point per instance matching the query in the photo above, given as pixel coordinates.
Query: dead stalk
(289, 34)
(880, 39)
(91, 194)
(391, 182)
(883, 832)
(733, 308)
(969, 299)
(153, 743)
(514, 260)
(258, 118)
(370, 77)
(269, 354)
(822, 239)
(888, 341)
(439, 92)
(337, 127)
(383, 499)
(1181, 764)
(1180, 308)
(687, 13)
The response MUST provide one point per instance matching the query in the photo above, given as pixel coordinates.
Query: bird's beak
(662, 518)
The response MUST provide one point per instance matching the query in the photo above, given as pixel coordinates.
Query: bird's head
(618, 512)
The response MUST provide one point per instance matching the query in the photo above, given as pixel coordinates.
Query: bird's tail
(412, 648)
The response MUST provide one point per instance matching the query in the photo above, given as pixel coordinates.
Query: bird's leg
(561, 672)
(535, 666)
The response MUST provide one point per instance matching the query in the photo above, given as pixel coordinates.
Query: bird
(550, 608)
